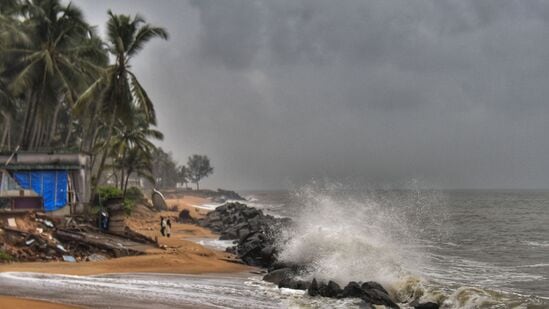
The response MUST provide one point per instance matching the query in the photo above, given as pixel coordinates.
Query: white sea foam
(207, 206)
(538, 243)
(213, 243)
(348, 239)
(535, 265)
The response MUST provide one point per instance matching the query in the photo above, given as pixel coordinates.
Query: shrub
(5, 257)
(134, 194)
(106, 192)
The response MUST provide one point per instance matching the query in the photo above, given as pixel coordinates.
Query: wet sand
(146, 290)
(16, 303)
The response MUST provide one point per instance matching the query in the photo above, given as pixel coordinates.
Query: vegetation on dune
(130, 197)
(5, 257)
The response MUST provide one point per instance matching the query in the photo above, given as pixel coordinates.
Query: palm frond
(145, 34)
(142, 99)
(24, 79)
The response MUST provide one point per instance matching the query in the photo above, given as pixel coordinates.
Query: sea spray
(373, 237)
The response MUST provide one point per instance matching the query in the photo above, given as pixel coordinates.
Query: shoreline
(175, 255)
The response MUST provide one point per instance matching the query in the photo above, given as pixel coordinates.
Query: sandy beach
(175, 254)
(19, 303)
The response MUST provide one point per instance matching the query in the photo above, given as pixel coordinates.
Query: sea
(460, 248)
(469, 248)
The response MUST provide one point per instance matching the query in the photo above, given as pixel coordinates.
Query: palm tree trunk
(126, 183)
(42, 135)
(122, 171)
(34, 133)
(6, 131)
(53, 127)
(95, 181)
(26, 122)
(69, 132)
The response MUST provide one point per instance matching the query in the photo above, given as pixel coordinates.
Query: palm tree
(9, 31)
(48, 67)
(135, 135)
(136, 162)
(119, 89)
(7, 113)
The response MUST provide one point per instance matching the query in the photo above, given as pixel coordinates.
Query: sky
(450, 94)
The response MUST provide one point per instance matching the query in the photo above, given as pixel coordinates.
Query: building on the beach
(57, 183)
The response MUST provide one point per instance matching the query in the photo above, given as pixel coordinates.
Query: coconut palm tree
(119, 88)
(47, 68)
(7, 113)
(137, 162)
(135, 135)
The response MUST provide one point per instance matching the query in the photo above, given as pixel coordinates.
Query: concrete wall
(46, 158)
(79, 171)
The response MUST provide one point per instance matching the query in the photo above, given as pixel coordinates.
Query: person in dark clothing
(162, 226)
(168, 227)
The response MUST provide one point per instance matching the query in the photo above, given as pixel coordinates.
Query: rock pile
(251, 228)
(371, 292)
(255, 234)
(229, 195)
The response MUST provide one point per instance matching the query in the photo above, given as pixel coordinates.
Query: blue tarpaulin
(51, 185)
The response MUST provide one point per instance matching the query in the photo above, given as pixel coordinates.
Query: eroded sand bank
(175, 254)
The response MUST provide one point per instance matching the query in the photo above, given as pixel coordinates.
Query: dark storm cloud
(277, 92)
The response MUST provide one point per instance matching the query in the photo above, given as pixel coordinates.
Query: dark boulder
(185, 217)
(278, 275)
(352, 289)
(230, 195)
(332, 289)
(243, 233)
(229, 234)
(268, 254)
(294, 284)
(369, 292)
(427, 305)
(313, 289)
(378, 297)
(371, 285)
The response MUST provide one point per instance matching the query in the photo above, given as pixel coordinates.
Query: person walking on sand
(162, 226)
(168, 227)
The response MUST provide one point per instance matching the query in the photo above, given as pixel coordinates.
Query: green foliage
(128, 206)
(164, 169)
(62, 87)
(134, 194)
(49, 55)
(120, 100)
(199, 167)
(5, 257)
(105, 193)
(183, 175)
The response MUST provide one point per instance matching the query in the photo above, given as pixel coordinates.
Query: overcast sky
(276, 93)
